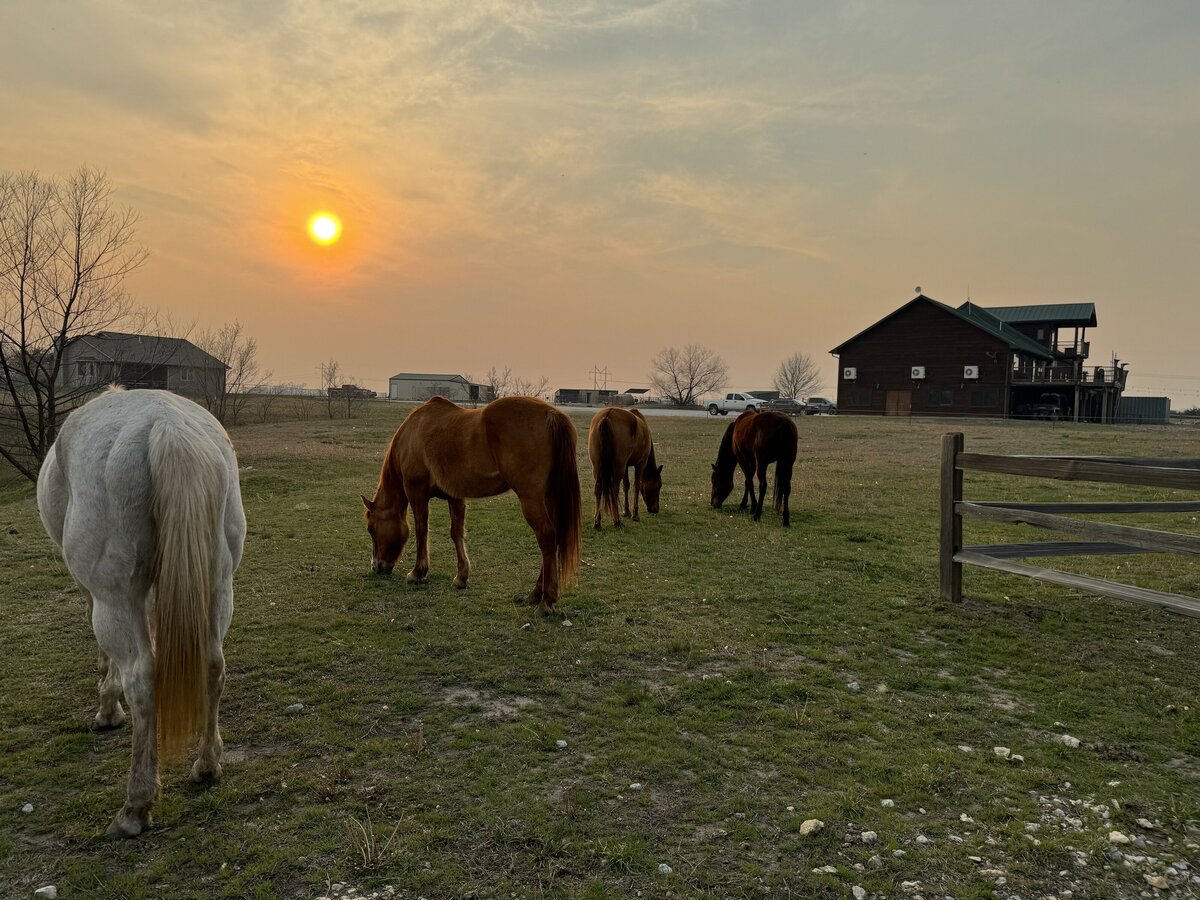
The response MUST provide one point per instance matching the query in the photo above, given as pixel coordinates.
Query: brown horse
(441, 450)
(617, 439)
(753, 441)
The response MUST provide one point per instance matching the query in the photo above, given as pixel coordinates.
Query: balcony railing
(1070, 373)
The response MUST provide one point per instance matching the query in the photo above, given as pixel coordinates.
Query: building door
(899, 403)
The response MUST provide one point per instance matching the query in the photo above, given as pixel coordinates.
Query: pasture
(747, 677)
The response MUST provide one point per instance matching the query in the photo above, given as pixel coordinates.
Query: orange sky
(554, 186)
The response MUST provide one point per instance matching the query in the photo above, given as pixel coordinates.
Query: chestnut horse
(441, 450)
(617, 439)
(753, 441)
(140, 491)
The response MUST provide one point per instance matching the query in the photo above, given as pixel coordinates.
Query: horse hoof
(110, 722)
(414, 578)
(126, 825)
(459, 583)
(596, 525)
(206, 772)
(636, 517)
(546, 610)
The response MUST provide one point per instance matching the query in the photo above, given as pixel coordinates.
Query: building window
(984, 398)
(86, 370)
(858, 397)
(939, 398)
(185, 374)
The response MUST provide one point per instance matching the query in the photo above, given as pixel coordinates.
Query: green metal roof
(1070, 315)
(981, 318)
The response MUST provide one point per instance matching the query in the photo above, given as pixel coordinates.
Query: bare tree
(65, 250)
(226, 392)
(507, 384)
(797, 376)
(684, 376)
(331, 377)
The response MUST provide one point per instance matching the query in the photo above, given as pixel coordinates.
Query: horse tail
(562, 497)
(606, 468)
(186, 478)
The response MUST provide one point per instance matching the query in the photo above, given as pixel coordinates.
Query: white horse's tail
(187, 488)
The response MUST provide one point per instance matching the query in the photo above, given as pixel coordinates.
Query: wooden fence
(1093, 538)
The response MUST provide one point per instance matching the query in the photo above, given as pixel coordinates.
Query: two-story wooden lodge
(930, 359)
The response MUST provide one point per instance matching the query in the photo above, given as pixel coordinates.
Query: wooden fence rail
(1096, 538)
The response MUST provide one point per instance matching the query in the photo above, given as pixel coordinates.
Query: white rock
(636, 786)
(1067, 740)
(869, 837)
(954, 838)
(965, 819)
(27, 808)
(566, 623)
(664, 869)
(1002, 752)
(49, 892)
(875, 862)
(294, 708)
(1157, 881)
(1016, 758)
(888, 804)
(966, 749)
(899, 854)
(791, 809)
(1115, 837)
(825, 870)
(921, 839)
(560, 744)
(860, 893)
(810, 826)
(1146, 823)
(853, 686)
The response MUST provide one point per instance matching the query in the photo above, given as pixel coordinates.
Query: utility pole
(597, 372)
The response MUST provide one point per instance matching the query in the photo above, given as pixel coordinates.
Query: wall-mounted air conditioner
(918, 372)
(849, 373)
(971, 373)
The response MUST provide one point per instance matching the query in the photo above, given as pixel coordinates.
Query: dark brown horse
(618, 439)
(441, 450)
(753, 441)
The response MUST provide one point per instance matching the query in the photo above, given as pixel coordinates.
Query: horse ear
(660, 470)
(367, 503)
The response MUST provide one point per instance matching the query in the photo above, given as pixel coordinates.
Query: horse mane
(725, 457)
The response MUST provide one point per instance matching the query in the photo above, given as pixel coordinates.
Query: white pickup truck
(735, 402)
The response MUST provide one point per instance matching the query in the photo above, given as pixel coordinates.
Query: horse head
(722, 486)
(388, 527)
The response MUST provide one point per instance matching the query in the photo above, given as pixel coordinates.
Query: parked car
(819, 406)
(735, 402)
(787, 405)
(1049, 408)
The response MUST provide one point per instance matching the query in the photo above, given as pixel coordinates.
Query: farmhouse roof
(981, 318)
(144, 349)
(637, 390)
(1068, 315)
(418, 376)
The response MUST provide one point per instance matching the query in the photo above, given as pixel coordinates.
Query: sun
(324, 228)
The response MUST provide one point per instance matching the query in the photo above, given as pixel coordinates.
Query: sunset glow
(324, 228)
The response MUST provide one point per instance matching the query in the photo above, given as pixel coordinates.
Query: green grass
(707, 659)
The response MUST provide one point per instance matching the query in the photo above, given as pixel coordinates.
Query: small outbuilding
(419, 387)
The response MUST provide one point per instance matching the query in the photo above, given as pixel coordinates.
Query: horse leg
(420, 511)
(545, 595)
(625, 485)
(122, 632)
(762, 490)
(599, 506)
(748, 493)
(458, 534)
(208, 760)
(637, 491)
(110, 714)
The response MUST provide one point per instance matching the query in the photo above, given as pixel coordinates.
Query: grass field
(708, 659)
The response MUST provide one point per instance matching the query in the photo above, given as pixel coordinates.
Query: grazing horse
(617, 439)
(140, 492)
(753, 441)
(441, 450)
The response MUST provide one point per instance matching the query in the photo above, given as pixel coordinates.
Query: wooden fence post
(951, 541)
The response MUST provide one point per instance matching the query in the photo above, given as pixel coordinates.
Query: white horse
(140, 491)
